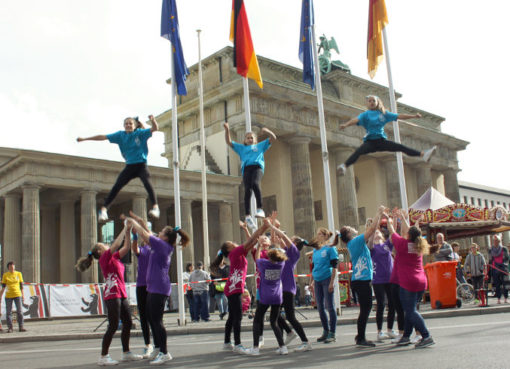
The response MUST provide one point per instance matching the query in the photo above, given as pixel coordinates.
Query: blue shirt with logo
(374, 121)
(132, 145)
(362, 269)
(251, 154)
(322, 257)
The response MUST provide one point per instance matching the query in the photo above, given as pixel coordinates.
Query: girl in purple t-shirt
(235, 284)
(158, 281)
(114, 294)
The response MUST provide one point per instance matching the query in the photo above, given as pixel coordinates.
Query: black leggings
(235, 315)
(130, 172)
(288, 305)
(395, 297)
(251, 179)
(382, 294)
(364, 291)
(117, 309)
(155, 308)
(380, 144)
(141, 302)
(273, 318)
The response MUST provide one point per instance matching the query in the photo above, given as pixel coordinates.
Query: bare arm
(255, 236)
(227, 134)
(373, 226)
(286, 240)
(272, 136)
(245, 229)
(409, 116)
(140, 230)
(118, 241)
(92, 138)
(154, 123)
(127, 244)
(351, 122)
(405, 224)
(331, 286)
(139, 220)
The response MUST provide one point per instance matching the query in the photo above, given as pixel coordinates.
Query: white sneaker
(382, 336)
(416, 339)
(282, 350)
(129, 356)
(397, 338)
(161, 358)
(106, 361)
(153, 354)
(239, 349)
(154, 212)
(103, 215)
(251, 223)
(260, 213)
(428, 154)
(228, 346)
(261, 341)
(305, 346)
(392, 334)
(253, 351)
(147, 351)
(290, 337)
(341, 169)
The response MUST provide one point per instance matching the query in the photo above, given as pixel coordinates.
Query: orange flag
(245, 59)
(377, 20)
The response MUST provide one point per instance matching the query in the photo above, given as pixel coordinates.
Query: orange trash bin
(442, 284)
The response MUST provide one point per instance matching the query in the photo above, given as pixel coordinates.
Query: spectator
(189, 291)
(219, 287)
(308, 295)
(200, 293)
(498, 260)
(474, 268)
(459, 272)
(12, 285)
(445, 251)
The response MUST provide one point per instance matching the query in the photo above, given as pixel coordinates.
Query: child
(251, 154)
(246, 301)
(374, 120)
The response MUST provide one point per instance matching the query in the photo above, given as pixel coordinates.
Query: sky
(71, 68)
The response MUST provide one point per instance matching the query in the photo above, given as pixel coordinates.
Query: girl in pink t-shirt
(114, 293)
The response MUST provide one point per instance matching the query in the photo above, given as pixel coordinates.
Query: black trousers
(382, 294)
(130, 172)
(381, 144)
(273, 318)
(155, 309)
(117, 309)
(288, 306)
(235, 315)
(395, 297)
(364, 291)
(141, 302)
(251, 179)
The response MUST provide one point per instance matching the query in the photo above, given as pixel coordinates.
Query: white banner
(76, 300)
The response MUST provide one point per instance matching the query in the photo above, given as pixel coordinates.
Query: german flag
(377, 20)
(245, 59)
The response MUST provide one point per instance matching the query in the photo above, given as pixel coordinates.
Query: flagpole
(246, 90)
(177, 192)
(325, 155)
(205, 224)
(396, 131)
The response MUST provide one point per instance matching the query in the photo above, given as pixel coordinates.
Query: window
(472, 201)
(486, 203)
(480, 202)
(492, 203)
(465, 200)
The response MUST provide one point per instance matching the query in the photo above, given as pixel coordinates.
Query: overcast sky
(73, 68)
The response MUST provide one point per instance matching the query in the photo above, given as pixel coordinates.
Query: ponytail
(171, 234)
(422, 246)
(223, 253)
(315, 242)
(85, 262)
(335, 240)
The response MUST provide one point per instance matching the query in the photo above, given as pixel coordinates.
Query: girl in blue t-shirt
(133, 147)
(251, 154)
(374, 120)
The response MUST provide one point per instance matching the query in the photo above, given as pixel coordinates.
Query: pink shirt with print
(113, 273)
(411, 275)
(238, 268)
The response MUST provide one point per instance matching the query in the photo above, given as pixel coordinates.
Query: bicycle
(465, 292)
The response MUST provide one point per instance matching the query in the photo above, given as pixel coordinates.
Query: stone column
(30, 236)
(423, 178)
(451, 185)
(392, 183)
(12, 230)
(346, 192)
(225, 221)
(88, 222)
(140, 209)
(67, 252)
(188, 253)
(50, 261)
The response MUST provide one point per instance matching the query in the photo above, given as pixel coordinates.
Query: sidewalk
(83, 328)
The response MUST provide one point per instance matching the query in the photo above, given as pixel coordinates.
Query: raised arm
(375, 223)
(244, 227)
(351, 122)
(154, 123)
(227, 134)
(272, 136)
(92, 138)
(248, 245)
(403, 221)
(139, 220)
(142, 232)
(127, 243)
(118, 241)
(409, 116)
(278, 232)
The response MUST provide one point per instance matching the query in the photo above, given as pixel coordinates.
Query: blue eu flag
(305, 43)
(170, 31)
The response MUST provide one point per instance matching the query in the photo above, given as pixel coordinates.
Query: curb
(220, 329)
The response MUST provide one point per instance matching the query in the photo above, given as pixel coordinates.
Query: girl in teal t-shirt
(374, 120)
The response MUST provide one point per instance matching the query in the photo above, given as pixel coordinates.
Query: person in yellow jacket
(12, 285)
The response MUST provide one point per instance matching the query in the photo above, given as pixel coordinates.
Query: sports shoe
(253, 351)
(106, 361)
(251, 223)
(103, 215)
(129, 356)
(260, 213)
(404, 341)
(282, 350)
(323, 337)
(392, 334)
(228, 346)
(147, 351)
(290, 337)
(416, 339)
(428, 154)
(365, 343)
(341, 169)
(161, 358)
(261, 341)
(305, 346)
(330, 338)
(425, 342)
(22, 329)
(153, 354)
(382, 336)
(154, 212)
(239, 349)
(397, 338)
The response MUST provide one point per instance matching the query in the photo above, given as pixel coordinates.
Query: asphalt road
(481, 341)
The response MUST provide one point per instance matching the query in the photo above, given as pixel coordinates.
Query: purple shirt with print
(158, 280)
(143, 264)
(270, 282)
(288, 281)
(382, 261)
